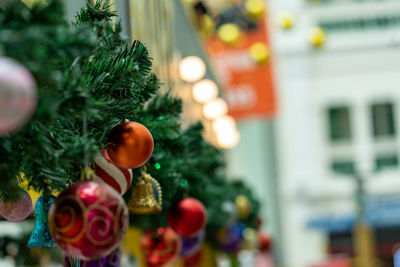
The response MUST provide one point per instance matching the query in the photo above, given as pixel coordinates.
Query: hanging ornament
(231, 237)
(194, 260)
(111, 260)
(264, 241)
(187, 217)
(286, 20)
(191, 245)
(259, 52)
(160, 247)
(41, 236)
(243, 206)
(106, 171)
(229, 33)
(255, 8)
(17, 210)
(88, 220)
(146, 196)
(316, 36)
(250, 239)
(130, 145)
(17, 95)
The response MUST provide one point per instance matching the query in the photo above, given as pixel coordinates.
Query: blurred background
(302, 96)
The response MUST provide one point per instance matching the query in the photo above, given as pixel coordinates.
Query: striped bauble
(108, 172)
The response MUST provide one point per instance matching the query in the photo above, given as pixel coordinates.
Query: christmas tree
(89, 81)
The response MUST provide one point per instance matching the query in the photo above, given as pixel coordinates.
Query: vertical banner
(247, 83)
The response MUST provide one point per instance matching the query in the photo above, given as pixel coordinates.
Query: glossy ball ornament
(88, 220)
(18, 210)
(41, 236)
(230, 238)
(187, 217)
(17, 95)
(106, 171)
(243, 206)
(160, 247)
(264, 241)
(111, 260)
(191, 245)
(130, 145)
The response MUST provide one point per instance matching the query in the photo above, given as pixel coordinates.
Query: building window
(346, 167)
(383, 120)
(384, 162)
(339, 124)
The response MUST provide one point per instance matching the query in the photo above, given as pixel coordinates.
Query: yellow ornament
(259, 52)
(229, 33)
(316, 36)
(255, 8)
(243, 206)
(24, 184)
(286, 20)
(144, 200)
(250, 239)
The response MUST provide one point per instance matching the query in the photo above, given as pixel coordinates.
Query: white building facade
(338, 116)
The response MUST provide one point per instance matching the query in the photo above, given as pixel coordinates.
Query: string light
(215, 108)
(204, 91)
(192, 69)
(224, 123)
(228, 139)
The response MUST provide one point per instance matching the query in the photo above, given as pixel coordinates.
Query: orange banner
(247, 84)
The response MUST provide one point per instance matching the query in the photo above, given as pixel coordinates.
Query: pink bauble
(18, 210)
(17, 95)
(88, 220)
(106, 171)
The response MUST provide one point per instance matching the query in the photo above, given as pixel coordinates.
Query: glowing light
(316, 36)
(228, 139)
(192, 69)
(229, 33)
(286, 20)
(215, 108)
(204, 91)
(224, 123)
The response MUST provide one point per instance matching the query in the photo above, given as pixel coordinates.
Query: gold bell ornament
(146, 196)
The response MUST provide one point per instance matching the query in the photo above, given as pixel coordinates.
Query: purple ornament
(17, 95)
(233, 238)
(191, 245)
(112, 260)
(18, 210)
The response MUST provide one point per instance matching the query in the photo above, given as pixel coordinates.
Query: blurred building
(338, 117)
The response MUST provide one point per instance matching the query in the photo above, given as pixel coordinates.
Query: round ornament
(106, 171)
(160, 247)
(243, 206)
(229, 33)
(230, 238)
(191, 245)
(18, 210)
(17, 95)
(264, 240)
(88, 220)
(111, 260)
(187, 217)
(130, 144)
(259, 52)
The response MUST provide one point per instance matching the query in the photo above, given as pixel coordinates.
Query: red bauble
(160, 247)
(194, 260)
(264, 241)
(88, 220)
(187, 217)
(130, 145)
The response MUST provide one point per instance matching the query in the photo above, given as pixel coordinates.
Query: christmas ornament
(191, 245)
(264, 241)
(111, 260)
(41, 236)
(194, 260)
(255, 8)
(106, 171)
(316, 36)
(243, 206)
(160, 247)
(88, 220)
(187, 217)
(130, 145)
(18, 210)
(229, 33)
(230, 238)
(146, 196)
(286, 20)
(259, 52)
(250, 239)
(17, 95)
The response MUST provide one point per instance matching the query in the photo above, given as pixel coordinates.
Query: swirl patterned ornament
(88, 220)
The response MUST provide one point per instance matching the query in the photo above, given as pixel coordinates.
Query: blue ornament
(41, 236)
